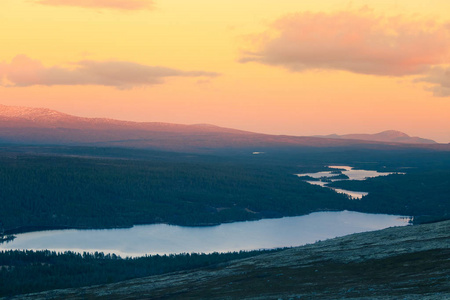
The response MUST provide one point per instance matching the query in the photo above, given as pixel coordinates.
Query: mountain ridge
(384, 136)
(26, 125)
(49, 117)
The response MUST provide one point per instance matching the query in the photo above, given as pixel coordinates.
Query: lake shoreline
(36, 228)
(162, 239)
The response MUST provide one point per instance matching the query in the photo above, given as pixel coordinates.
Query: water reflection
(168, 239)
(327, 176)
(351, 194)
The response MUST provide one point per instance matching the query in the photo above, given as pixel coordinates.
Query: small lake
(325, 177)
(168, 239)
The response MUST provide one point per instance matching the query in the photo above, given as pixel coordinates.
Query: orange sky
(282, 67)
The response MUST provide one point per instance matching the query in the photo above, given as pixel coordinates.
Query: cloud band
(360, 42)
(24, 71)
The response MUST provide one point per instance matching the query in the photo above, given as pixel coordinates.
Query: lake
(168, 239)
(348, 171)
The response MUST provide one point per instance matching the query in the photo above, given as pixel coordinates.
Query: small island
(6, 238)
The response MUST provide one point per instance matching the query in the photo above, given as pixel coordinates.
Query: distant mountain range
(390, 136)
(24, 125)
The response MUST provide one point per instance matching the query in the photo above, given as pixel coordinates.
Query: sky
(280, 67)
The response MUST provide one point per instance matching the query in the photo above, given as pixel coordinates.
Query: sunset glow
(281, 67)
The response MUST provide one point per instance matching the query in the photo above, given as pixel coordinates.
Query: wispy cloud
(24, 71)
(359, 42)
(439, 78)
(109, 4)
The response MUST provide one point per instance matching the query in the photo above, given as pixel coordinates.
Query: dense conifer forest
(86, 187)
(424, 195)
(29, 271)
(51, 187)
(100, 193)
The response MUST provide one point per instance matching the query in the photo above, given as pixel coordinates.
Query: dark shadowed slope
(389, 136)
(43, 126)
(396, 263)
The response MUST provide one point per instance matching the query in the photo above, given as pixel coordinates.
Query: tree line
(23, 272)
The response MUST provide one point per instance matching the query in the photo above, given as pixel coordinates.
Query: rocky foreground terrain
(410, 262)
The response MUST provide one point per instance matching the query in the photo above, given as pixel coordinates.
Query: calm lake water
(168, 239)
(350, 172)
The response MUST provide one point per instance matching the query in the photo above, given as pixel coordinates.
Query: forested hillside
(51, 187)
(29, 271)
(425, 194)
(98, 193)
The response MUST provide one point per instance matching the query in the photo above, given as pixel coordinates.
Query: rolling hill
(389, 136)
(23, 125)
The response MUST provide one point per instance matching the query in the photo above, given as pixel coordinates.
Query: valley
(165, 149)
(79, 179)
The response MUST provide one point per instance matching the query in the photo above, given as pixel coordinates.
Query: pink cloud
(24, 71)
(439, 78)
(113, 4)
(356, 42)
